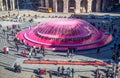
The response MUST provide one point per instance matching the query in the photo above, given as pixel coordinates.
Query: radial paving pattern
(59, 34)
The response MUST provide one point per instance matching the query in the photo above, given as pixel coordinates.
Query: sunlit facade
(65, 6)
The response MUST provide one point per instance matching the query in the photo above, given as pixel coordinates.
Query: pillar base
(65, 11)
(77, 11)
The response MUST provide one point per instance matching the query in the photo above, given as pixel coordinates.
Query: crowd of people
(33, 51)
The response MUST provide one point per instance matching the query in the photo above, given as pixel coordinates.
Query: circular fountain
(64, 33)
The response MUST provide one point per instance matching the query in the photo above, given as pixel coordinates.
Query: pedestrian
(0, 26)
(98, 50)
(5, 49)
(19, 68)
(15, 67)
(42, 48)
(30, 54)
(62, 69)
(31, 49)
(72, 72)
(113, 55)
(73, 51)
(7, 36)
(39, 50)
(68, 71)
(9, 13)
(28, 47)
(17, 47)
(43, 53)
(34, 51)
(58, 71)
(50, 74)
(68, 52)
(3, 31)
(24, 53)
(97, 73)
(7, 28)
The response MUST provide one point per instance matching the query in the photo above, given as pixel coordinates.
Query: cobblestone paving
(13, 56)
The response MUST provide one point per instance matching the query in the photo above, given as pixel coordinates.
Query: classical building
(7, 5)
(65, 6)
(78, 6)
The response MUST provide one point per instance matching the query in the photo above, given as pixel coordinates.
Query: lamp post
(18, 7)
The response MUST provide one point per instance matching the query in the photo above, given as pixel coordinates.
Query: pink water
(60, 34)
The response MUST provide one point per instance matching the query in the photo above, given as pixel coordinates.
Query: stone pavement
(9, 60)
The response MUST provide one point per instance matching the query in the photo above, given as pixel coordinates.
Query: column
(77, 6)
(41, 3)
(55, 5)
(7, 5)
(65, 4)
(46, 3)
(13, 2)
(104, 6)
(89, 6)
(1, 3)
(98, 6)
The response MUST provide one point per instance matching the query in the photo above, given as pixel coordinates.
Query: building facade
(7, 5)
(65, 6)
(78, 6)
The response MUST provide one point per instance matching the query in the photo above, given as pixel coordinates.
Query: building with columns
(78, 6)
(65, 6)
(7, 5)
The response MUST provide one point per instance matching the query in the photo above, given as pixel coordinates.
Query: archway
(71, 6)
(51, 4)
(94, 6)
(84, 4)
(60, 5)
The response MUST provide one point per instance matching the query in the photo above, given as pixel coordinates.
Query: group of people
(17, 68)
(66, 72)
(33, 51)
(70, 52)
(115, 52)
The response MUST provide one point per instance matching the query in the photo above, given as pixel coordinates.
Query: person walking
(17, 47)
(58, 71)
(68, 71)
(43, 50)
(19, 68)
(50, 74)
(72, 72)
(7, 50)
(30, 55)
(98, 50)
(15, 67)
(62, 69)
(24, 53)
(68, 53)
(3, 31)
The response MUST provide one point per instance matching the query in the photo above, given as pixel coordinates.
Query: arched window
(71, 6)
(60, 5)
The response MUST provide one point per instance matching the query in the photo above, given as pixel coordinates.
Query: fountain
(64, 33)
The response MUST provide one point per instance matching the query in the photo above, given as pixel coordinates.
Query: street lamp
(18, 7)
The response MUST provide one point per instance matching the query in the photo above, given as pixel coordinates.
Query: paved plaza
(86, 71)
